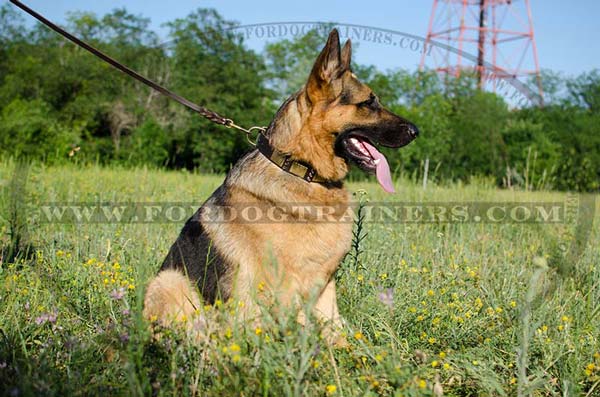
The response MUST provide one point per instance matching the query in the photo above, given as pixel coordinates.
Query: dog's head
(336, 119)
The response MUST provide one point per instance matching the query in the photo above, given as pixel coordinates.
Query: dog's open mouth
(362, 152)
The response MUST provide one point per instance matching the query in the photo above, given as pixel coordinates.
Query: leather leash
(283, 161)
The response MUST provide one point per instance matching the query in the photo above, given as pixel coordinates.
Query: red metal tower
(493, 38)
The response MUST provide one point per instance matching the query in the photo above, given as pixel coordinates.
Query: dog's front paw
(335, 337)
(340, 342)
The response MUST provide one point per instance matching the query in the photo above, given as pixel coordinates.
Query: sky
(566, 32)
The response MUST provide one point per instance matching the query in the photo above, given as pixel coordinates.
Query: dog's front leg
(326, 310)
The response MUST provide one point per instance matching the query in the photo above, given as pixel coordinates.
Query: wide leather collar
(298, 168)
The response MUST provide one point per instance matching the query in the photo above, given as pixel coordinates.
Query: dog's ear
(347, 55)
(329, 66)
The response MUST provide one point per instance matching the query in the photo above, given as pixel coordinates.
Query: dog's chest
(311, 250)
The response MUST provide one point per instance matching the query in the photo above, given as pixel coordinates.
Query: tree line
(60, 104)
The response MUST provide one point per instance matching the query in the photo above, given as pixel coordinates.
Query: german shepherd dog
(302, 157)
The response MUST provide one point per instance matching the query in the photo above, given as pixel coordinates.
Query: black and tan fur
(291, 260)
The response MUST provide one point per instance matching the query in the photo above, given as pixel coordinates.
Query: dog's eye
(370, 103)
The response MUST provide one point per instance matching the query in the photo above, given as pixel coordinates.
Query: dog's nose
(412, 130)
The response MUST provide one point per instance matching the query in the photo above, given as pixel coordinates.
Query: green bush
(29, 129)
(148, 144)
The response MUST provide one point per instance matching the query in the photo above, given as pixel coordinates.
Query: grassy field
(432, 309)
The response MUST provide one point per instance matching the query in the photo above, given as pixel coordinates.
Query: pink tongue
(383, 169)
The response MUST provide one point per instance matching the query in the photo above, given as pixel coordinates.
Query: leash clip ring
(249, 132)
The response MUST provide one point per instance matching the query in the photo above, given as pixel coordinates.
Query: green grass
(467, 299)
